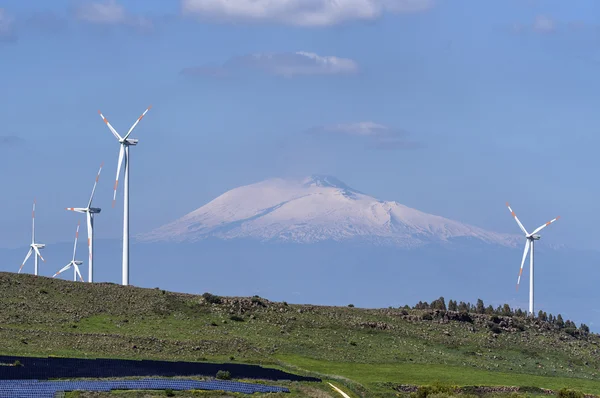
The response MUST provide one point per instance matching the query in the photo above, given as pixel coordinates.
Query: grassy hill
(369, 351)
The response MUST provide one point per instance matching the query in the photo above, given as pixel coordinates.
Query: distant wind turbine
(530, 238)
(34, 247)
(125, 142)
(74, 263)
(89, 212)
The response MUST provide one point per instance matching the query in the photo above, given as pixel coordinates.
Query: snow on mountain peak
(313, 209)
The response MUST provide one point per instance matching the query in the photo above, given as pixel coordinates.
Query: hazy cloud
(544, 24)
(109, 12)
(375, 135)
(10, 140)
(281, 64)
(7, 26)
(300, 12)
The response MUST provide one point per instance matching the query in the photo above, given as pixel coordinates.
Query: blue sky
(446, 106)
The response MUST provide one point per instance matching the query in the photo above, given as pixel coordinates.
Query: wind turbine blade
(525, 251)
(136, 122)
(33, 223)
(76, 237)
(63, 269)
(544, 226)
(37, 251)
(26, 258)
(94, 189)
(121, 154)
(89, 230)
(77, 271)
(117, 136)
(517, 219)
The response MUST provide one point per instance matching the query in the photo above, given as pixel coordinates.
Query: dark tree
(452, 306)
(439, 304)
(480, 309)
(559, 321)
(506, 311)
(489, 310)
(584, 328)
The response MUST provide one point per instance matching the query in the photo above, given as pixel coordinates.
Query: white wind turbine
(125, 142)
(89, 212)
(34, 247)
(530, 238)
(74, 263)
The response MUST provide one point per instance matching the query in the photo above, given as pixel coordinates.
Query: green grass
(367, 351)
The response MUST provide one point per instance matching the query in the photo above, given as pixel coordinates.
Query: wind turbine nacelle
(39, 245)
(77, 262)
(535, 237)
(95, 210)
(132, 141)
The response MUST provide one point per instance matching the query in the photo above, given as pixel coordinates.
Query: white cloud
(7, 26)
(109, 12)
(363, 129)
(376, 135)
(300, 63)
(299, 12)
(102, 12)
(544, 24)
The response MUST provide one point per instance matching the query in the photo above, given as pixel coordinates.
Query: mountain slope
(314, 209)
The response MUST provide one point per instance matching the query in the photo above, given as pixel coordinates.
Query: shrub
(257, 300)
(17, 363)
(427, 317)
(223, 375)
(353, 343)
(236, 318)
(567, 393)
(494, 327)
(436, 390)
(169, 392)
(351, 305)
(212, 299)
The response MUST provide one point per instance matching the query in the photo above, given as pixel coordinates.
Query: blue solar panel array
(48, 389)
(69, 368)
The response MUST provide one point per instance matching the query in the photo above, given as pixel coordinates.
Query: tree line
(501, 310)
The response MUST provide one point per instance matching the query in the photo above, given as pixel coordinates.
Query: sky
(450, 107)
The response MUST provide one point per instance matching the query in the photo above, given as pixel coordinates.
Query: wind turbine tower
(124, 142)
(34, 247)
(530, 238)
(89, 213)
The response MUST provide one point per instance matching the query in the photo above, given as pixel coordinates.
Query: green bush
(567, 393)
(223, 375)
(437, 390)
(169, 392)
(351, 305)
(236, 318)
(17, 363)
(212, 299)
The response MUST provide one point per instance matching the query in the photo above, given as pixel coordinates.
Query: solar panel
(48, 389)
(61, 368)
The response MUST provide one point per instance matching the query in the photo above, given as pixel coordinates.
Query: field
(367, 352)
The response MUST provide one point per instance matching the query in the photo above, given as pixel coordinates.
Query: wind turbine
(125, 142)
(74, 263)
(530, 238)
(34, 247)
(89, 212)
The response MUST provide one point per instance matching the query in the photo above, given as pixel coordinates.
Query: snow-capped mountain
(314, 209)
